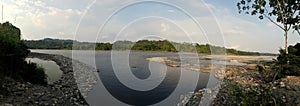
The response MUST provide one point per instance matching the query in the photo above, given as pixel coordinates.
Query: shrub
(288, 64)
(13, 52)
(36, 73)
(252, 96)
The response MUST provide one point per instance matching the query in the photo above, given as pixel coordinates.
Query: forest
(141, 45)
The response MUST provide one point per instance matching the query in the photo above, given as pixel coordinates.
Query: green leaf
(261, 17)
(243, 2)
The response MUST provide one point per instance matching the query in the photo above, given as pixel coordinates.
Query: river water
(128, 78)
(52, 70)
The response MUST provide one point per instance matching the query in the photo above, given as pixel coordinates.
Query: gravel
(68, 90)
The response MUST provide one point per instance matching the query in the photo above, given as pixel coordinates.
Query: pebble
(282, 85)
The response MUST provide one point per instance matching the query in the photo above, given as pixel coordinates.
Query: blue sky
(202, 21)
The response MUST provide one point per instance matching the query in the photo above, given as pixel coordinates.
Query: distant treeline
(141, 45)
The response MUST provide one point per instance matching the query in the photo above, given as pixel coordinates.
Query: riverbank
(237, 58)
(65, 91)
(217, 62)
(244, 85)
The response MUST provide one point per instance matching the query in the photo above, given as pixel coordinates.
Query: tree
(283, 13)
(13, 52)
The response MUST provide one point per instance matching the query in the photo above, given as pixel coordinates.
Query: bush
(288, 64)
(36, 73)
(252, 96)
(13, 52)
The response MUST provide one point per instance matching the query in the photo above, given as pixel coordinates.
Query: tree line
(141, 45)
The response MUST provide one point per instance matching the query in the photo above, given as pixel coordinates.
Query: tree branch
(289, 27)
(282, 15)
(274, 22)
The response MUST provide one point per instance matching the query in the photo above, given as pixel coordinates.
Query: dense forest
(13, 52)
(141, 45)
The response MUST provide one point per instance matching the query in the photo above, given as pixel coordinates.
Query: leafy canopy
(285, 12)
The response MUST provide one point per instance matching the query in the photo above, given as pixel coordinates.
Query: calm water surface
(52, 70)
(130, 78)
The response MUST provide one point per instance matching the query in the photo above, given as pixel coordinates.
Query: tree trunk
(286, 43)
(286, 47)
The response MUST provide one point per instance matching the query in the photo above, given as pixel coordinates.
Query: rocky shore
(248, 85)
(66, 91)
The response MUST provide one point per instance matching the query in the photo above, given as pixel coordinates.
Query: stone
(295, 88)
(251, 66)
(6, 104)
(209, 91)
(18, 93)
(282, 85)
(288, 87)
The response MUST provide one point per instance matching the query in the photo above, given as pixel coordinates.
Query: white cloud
(164, 27)
(38, 20)
(234, 47)
(171, 11)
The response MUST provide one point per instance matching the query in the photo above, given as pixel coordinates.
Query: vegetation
(283, 13)
(48, 43)
(13, 52)
(291, 68)
(252, 97)
(142, 45)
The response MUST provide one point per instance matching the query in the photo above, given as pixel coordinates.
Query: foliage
(142, 45)
(36, 73)
(13, 52)
(146, 45)
(122, 45)
(251, 96)
(283, 13)
(49, 43)
(293, 65)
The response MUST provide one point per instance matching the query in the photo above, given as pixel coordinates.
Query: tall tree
(283, 13)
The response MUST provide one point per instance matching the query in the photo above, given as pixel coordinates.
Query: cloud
(38, 20)
(60, 18)
(234, 47)
(164, 27)
(171, 11)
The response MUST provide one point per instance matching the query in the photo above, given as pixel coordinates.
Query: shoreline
(244, 83)
(159, 51)
(66, 91)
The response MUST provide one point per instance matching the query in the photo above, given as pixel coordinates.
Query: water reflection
(52, 70)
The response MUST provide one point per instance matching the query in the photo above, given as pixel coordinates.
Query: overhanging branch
(273, 22)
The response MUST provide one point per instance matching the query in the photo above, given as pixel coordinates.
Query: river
(127, 77)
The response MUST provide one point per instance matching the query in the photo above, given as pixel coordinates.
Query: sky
(216, 22)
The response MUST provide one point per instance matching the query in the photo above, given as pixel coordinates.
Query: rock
(282, 85)
(251, 66)
(18, 93)
(288, 87)
(296, 88)
(209, 91)
(6, 104)
(297, 102)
